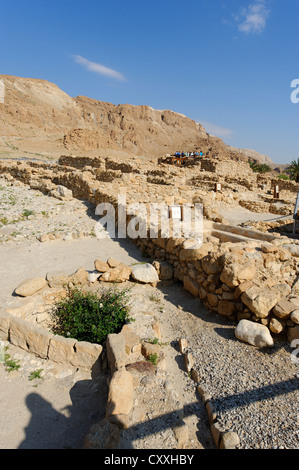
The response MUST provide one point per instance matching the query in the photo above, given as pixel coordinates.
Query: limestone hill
(39, 120)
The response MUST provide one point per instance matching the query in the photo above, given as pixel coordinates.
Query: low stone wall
(42, 343)
(217, 271)
(252, 280)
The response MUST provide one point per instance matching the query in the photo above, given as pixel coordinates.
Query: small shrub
(27, 213)
(153, 358)
(282, 176)
(36, 374)
(9, 363)
(86, 316)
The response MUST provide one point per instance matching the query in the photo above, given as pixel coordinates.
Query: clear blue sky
(227, 64)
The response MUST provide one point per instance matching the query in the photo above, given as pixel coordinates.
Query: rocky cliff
(38, 119)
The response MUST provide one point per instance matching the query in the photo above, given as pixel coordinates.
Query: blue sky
(227, 64)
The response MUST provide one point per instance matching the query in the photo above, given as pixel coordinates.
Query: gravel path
(254, 391)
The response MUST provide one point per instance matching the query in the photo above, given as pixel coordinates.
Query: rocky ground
(254, 392)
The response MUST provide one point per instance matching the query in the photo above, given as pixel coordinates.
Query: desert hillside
(39, 120)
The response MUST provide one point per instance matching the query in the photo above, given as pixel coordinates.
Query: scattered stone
(145, 273)
(189, 362)
(229, 440)
(284, 308)
(30, 286)
(101, 266)
(254, 334)
(183, 345)
(295, 316)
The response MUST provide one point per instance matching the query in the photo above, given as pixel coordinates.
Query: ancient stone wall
(236, 273)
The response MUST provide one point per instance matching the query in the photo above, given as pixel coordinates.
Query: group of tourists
(188, 154)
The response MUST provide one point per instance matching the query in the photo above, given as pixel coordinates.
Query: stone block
(4, 325)
(30, 286)
(116, 351)
(61, 349)
(121, 392)
(87, 355)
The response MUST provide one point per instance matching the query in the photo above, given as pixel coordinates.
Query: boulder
(116, 351)
(284, 308)
(120, 273)
(31, 286)
(64, 192)
(295, 316)
(254, 334)
(121, 391)
(145, 273)
(276, 325)
(234, 274)
(79, 277)
(101, 266)
(260, 301)
(191, 286)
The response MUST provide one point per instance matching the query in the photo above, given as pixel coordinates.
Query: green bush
(88, 316)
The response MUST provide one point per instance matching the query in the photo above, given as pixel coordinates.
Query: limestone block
(183, 345)
(229, 440)
(30, 286)
(4, 325)
(295, 316)
(260, 301)
(120, 273)
(145, 273)
(254, 333)
(101, 266)
(25, 309)
(116, 352)
(112, 263)
(57, 279)
(192, 250)
(79, 277)
(61, 349)
(121, 391)
(149, 349)
(284, 308)
(191, 286)
(132, 341)
(166, 271)
(234, 274)
(225, 308)
(87, 355)
(64, 192)
(38, 340)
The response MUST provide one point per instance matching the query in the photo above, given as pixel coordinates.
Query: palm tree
(293, 170)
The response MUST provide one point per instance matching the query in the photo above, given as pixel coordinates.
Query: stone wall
(255, 280)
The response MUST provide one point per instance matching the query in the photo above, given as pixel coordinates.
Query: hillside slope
(38, 119)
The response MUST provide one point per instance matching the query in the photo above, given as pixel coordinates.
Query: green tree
(293, 170)
(259, 167)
